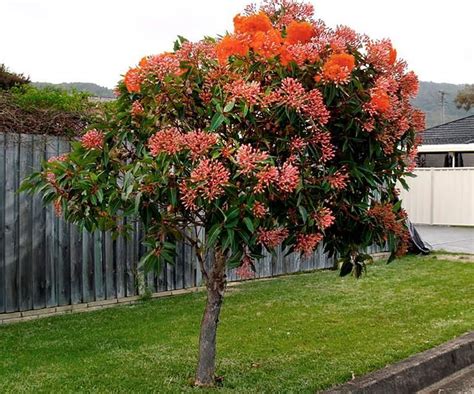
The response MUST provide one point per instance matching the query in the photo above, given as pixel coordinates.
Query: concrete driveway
(451, 239)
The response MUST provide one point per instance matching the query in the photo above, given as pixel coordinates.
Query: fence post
(432, 177)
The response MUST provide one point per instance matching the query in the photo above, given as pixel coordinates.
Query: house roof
(460, 131)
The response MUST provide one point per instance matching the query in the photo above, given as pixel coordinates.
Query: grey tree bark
(206, 368)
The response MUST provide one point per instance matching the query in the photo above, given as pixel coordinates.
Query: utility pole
(442, 96)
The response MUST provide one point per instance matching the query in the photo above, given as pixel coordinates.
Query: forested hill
(428, 99)
(92, 88)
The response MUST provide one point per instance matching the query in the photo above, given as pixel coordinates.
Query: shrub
(29, 97)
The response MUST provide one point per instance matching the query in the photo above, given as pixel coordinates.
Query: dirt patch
(466, 258)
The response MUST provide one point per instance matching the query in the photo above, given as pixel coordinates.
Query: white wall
(443, 196)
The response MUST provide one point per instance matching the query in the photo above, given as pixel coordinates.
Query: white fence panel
(443, 196)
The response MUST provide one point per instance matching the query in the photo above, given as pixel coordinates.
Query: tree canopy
(465, 98)
(284, 133)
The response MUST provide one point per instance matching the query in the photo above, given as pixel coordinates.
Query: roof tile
(460, 131)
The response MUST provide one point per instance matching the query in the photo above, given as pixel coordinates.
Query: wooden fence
(46, 262)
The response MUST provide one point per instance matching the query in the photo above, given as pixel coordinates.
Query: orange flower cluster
(132, 80)
(272, 238)
(307, 243)
(93, 139)
(267, 44)
(385, 217)
(339, 179)
(299, 32)
(252, 23)
(169, 140)
(257, 32)
(247, 158)
(230, 46)
(265, 177)
(209, 178)
(379, 101)
(338, 68)
(245, 269)
(409, 84)
(137, 108)
(199, 142)
(288, 178)
(58, 208)
(259, 210)
(381, 54)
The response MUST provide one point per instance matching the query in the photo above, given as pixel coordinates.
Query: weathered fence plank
(2, 224)
(76, 265)
(99, 280)
(120, 265)
(12, 146)
(25, 225)
(179, 266)
(129, 262)
(63, 256)
(88, 267)
(108, 256)
(51, 239)
(38, 236)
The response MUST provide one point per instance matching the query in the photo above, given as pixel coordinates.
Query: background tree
(282, 134)
(9, 79)
(465, 98)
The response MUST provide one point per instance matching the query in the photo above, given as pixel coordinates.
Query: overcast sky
(98, 40)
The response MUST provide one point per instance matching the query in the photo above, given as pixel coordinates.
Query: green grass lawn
(293, 334)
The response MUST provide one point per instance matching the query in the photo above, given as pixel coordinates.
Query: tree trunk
(205, 373)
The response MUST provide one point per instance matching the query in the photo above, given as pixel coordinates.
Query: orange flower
(380, 101)
(228, 46)
(132, 80)
(285, 56)
(338, 68)
(252, 23)
(267, 44)
(299, 32)
(392, 56)
(343, 60)
(143, 62)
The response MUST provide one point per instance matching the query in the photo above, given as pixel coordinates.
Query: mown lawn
(293, 334)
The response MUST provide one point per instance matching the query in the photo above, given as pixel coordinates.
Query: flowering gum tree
(284, 133)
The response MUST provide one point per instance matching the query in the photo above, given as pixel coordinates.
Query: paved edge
(416, 372)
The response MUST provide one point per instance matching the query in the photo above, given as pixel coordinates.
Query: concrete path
(451, 239)
(459, 382)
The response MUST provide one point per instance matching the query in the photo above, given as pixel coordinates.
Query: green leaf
(234, 260)
(245, 110)
(404, 184)
(173, 196)
(249, 224)
(346, 267)
(397, 206)
(137, 201)
(232, 214)
(303, 213)
(391, 257)
(214, 233)
(229, 106)
(216, 121)
(100, 195)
